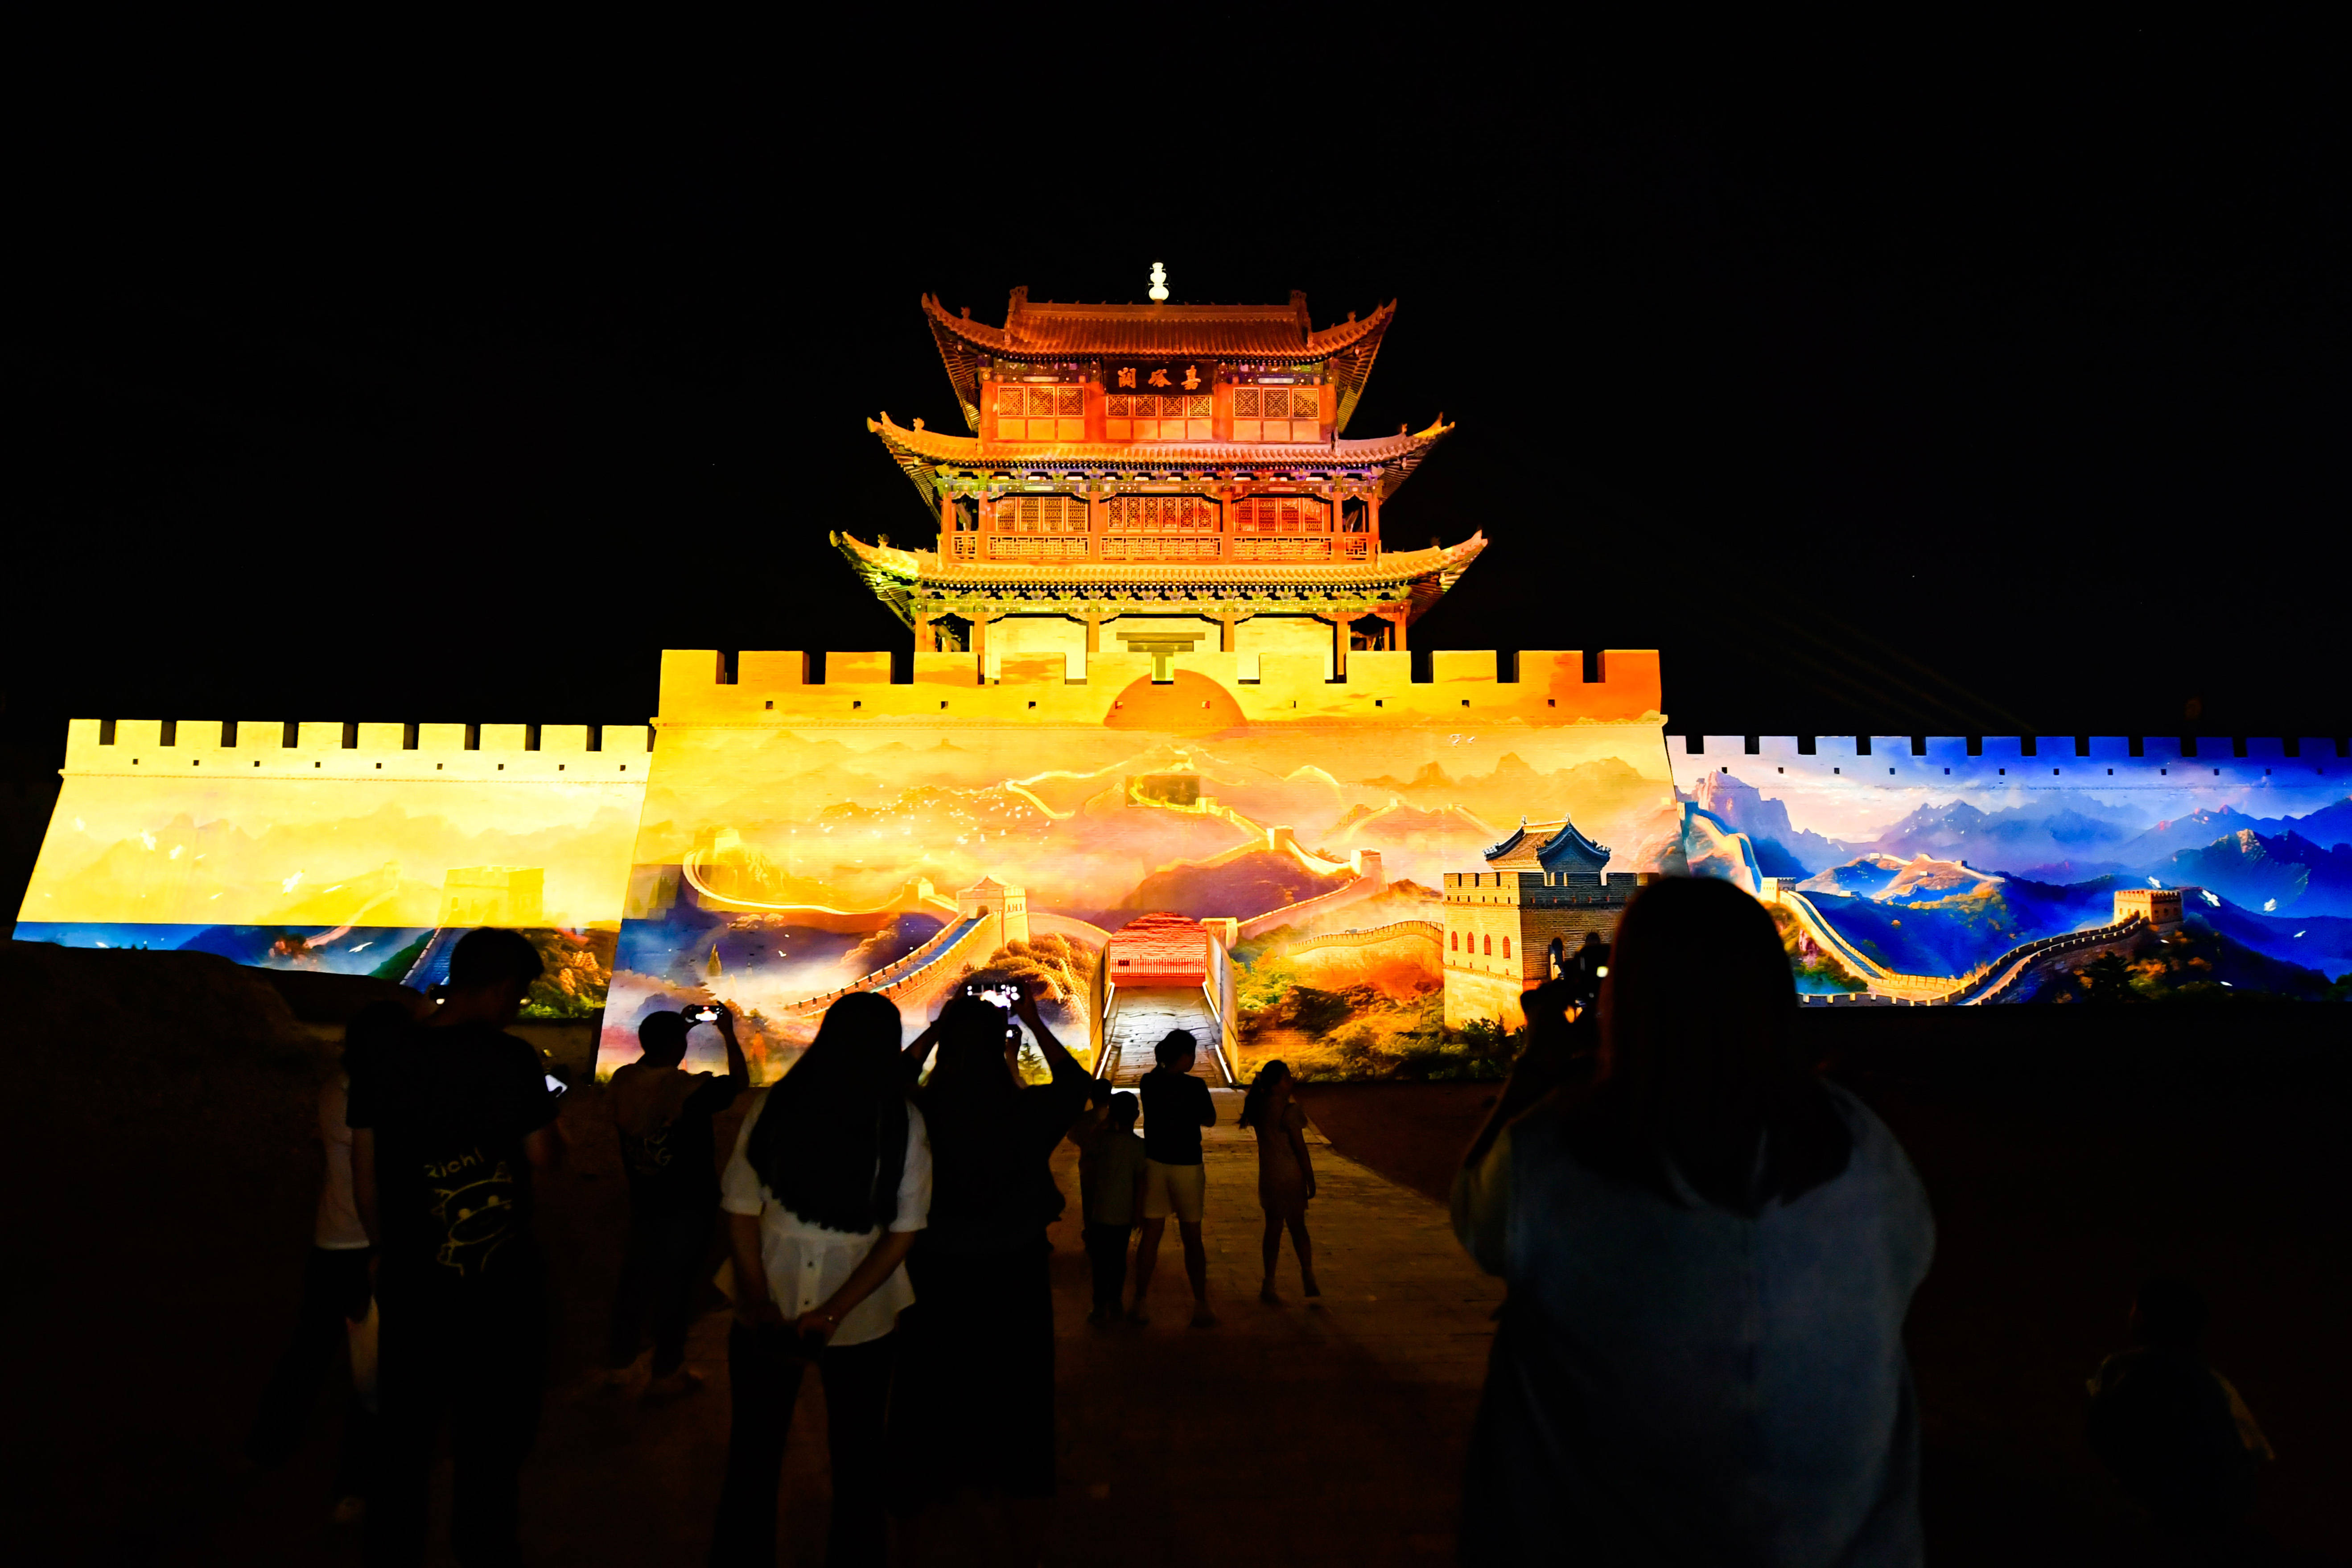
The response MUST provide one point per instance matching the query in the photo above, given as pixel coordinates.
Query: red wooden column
(1338, 619)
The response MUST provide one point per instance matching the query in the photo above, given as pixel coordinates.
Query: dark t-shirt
(1176, 1106)
(2161, 1420)
(676, 1163)
(992, 1188)
(450, 1107)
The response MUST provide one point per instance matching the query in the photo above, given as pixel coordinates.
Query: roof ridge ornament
(1159, 284)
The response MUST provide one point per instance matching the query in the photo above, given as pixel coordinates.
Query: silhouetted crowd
(1709, 1251)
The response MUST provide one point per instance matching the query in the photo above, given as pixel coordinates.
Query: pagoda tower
(1157, 479)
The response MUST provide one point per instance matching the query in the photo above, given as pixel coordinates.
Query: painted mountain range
(2278, 865)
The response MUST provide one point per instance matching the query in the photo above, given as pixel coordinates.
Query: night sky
(1964, 401)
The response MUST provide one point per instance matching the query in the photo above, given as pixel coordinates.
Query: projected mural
(849, 836)
(367, 858)
(2043, 877)
(1155, 745)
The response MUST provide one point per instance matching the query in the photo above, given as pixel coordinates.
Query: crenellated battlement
(1199, 691)
(320, 750)
(2040, 762)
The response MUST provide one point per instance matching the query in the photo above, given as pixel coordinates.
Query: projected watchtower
(1157, 479)
(1543, 888)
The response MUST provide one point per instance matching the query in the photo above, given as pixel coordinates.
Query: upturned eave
(1046, 333)
(920, 454)
(899, 577)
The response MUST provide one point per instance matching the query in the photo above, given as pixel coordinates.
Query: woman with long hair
(830, 1182)
(1710, 1253)
(1286, 1176)
(975, 1402)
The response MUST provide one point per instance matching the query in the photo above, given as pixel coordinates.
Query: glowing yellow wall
(801, 837)
(321, 834)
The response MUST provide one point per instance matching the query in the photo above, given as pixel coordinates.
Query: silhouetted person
(1286, 1176)
(2172, 1429)
(1110, 1194)
(830, 1182)
(663, 1114)
(338, 1290)
(1710, 1253)
(975, 1404)
(449, 1123)
(1176, 1106)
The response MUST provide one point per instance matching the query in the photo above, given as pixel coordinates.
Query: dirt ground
(164, 1174)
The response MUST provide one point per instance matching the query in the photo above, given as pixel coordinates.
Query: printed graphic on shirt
(649, 1155)
(474, 1201)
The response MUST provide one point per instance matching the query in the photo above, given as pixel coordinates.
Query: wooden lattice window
(1031, 411)
(1282, 514)
(1291, 414)
(1147, 416)
(1041, 514)
(1161, 514)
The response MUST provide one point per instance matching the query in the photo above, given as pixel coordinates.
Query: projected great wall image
(1160, 738)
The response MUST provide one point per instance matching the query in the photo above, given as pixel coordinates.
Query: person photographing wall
(1710, 1253)
(974, 1410)
(448, 1122)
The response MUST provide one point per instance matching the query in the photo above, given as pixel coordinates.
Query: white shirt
(339, 1228)
(807, 1263)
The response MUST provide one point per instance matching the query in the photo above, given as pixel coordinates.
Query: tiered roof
(1418, 576)
(921, 453)
(1263, 335)
(1551, 846)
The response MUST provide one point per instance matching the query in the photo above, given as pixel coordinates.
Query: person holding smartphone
(974, 1404)
(830, 1182)
(663, 1114)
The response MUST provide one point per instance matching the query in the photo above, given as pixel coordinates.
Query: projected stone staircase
(1141, 1018)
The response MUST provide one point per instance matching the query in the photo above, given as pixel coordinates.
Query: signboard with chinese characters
(1156, 377)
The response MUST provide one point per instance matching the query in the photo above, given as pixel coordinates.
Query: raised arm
(736, 1068)
(1056, 1055)
(910, 1060)
(1543, 1066)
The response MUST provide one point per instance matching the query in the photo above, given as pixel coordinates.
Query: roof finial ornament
(1159, 284)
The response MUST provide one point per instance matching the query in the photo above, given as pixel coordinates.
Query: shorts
(1177, 1188)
